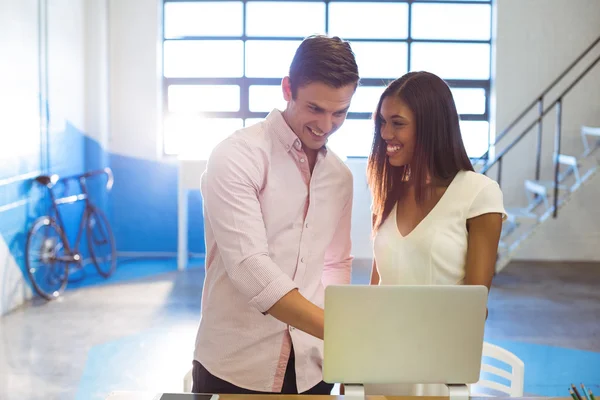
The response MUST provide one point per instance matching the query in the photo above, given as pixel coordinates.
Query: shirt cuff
(273, 293)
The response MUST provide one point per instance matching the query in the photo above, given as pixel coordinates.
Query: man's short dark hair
(324, 59)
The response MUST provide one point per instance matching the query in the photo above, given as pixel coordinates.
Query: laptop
(404, 334)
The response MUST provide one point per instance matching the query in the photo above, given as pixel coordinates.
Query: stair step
(545, 186)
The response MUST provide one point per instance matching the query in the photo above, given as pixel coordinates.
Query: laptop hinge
(354, 390)
(458, 391)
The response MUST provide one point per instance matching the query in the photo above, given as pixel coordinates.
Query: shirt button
(306, 226)
(302, 160)
(302, 260)
(292, 328)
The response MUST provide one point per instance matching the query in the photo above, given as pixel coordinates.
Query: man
(277, 208)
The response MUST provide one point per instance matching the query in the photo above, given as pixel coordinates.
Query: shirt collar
(284, 133)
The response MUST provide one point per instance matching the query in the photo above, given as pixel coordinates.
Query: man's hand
(295, 310)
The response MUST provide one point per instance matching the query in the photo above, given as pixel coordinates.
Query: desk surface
(189, 396)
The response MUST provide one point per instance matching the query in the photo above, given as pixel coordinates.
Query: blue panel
(144, 207)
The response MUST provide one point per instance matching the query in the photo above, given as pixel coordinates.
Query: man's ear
(286, 87)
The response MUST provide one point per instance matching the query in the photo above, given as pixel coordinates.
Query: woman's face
(398, 130)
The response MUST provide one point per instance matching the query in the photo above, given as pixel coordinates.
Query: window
(223, 62)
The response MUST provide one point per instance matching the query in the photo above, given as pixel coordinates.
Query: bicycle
(55, 254)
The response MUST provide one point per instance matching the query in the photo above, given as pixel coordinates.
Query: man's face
(317, 111)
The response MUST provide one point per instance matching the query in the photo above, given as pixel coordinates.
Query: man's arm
(337, 269)
(233, 180)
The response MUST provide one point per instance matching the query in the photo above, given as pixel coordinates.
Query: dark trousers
(205, 382)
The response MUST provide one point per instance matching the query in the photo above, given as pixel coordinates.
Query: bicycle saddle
(47, 180)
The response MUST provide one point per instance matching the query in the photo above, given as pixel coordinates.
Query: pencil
(591, 394)
(576, 392)
(584, 392)
(573, 394)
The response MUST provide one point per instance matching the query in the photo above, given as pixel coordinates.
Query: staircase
(569, 171)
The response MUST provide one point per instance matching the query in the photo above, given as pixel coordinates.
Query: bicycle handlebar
(106, 171)
(52, 180)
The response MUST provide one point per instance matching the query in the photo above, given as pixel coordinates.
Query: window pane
(452, 60)
(366, 98)
(203, 58)
(198, 98)
(269, 58)
(380, 60)
(194, 136)
(210, 18)
(451, 21)
(368, 20)
(353, 139)
(266, 98)
(269, 18)
(475, 137)
(469, 101)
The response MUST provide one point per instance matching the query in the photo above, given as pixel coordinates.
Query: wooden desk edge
(123, 395)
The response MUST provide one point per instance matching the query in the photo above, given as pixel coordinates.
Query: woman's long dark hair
(439, 150)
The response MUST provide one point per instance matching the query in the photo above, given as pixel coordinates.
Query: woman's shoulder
(479, 194)
(472, 181)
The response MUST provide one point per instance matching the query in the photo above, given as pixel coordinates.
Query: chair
(515, 377)
(187, 382)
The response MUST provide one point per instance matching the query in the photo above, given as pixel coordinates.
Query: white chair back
(515, 376)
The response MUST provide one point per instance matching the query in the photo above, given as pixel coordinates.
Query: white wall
(65, 63)
(96, 71)
(536, 41)
(19, 80)
(135, 78)
(362, 245)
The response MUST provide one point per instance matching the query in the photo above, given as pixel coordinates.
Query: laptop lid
(404, 334)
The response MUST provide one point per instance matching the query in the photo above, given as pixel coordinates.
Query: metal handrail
(490, 164)
(539, 102)
(557, 104)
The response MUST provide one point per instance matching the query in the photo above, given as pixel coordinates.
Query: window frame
(245, 82)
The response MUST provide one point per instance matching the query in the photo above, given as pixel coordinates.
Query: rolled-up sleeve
(230, 191)
(337, 269)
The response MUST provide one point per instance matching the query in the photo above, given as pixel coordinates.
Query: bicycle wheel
(101, 242)
(45, 256)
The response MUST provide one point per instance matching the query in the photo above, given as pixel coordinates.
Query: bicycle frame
(73, 253)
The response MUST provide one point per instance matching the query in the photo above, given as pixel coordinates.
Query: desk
(189, 174)
(189, 396)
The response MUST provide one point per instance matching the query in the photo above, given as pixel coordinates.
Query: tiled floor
(137, 333)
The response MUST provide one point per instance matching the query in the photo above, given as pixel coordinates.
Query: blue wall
(144, 207)
(22, 200)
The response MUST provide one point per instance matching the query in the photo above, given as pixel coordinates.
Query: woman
(435, 221)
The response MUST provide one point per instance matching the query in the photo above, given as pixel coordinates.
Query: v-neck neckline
(426, 217)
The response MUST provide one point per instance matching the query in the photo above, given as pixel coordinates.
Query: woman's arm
(484, 236)
(482, 249)
(374, 274)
